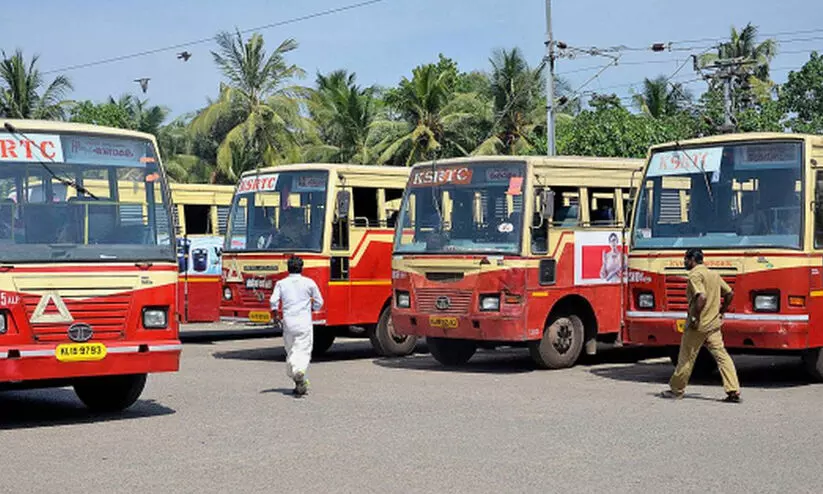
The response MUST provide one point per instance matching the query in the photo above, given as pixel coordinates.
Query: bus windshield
(463, 209)
(725, 195)
(279, 212)
(82, 197)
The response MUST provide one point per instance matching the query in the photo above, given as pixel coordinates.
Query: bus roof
(548, 162)
(57, 126)
(738, 137)
(339, 167)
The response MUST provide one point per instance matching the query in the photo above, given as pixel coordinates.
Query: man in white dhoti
(298, 296)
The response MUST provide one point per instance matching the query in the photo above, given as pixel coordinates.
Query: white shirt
(299, 296)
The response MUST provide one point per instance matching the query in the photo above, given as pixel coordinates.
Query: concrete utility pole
(550, 149)
(728, 72)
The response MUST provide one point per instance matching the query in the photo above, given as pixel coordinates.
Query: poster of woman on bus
(599, 258)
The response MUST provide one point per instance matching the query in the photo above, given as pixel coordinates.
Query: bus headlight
(155, 318)
(766, 302)
(645, 300)
(489, 303)
(226, 293)
(3, 324)
(402, 299)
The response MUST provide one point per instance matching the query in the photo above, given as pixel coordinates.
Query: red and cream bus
(500, 251)
(340, 220)
(752, 202)
(87, 279)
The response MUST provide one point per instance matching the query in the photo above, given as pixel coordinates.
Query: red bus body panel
(355, 301)
(27, 350)
(791, 275)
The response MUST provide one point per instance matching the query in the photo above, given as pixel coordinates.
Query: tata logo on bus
(257, 184)
(38, 147)
(441, 176)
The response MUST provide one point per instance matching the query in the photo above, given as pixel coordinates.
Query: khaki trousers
(689, 348)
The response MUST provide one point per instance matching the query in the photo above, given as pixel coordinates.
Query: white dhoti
(298, 344)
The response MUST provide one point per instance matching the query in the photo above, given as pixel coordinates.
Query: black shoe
(733, 397)
(671, 395)
(301, 384)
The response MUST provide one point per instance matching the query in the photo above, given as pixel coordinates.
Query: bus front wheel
(110, 393)
(386, 342)
(451, 352)
(561, 344)
(813, 362)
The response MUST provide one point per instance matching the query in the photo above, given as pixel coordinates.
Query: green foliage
(20, 86)
(802, 95)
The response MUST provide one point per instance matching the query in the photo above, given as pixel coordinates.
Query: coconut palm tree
(263, 110)
(142, 116)
(19, 86)
(743, 44)
(516, 91)
(430, 117)
(659, 98)
(343, 113)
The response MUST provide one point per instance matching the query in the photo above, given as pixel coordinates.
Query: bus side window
(393, 199)
(366, 213)
(818, 210)
(566, 207)
(601, 202)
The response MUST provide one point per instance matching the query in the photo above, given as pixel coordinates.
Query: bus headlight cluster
(402, 299)
(155, 318)
(4, 327)
(766, 302)
(645, 300)
(489, 303)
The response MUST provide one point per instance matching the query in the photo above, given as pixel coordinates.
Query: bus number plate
(80, 352)
(681, 325)
(443, 322)
(259, 316)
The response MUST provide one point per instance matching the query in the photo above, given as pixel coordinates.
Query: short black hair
(695, 255)
(295, 265)
(613, 236)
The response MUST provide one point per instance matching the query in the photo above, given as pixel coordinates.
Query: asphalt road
(226, 423)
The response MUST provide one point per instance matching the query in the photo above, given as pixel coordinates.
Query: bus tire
(704, 365)
(561, 345)
(451, 352)
(110, 393)
(384, 340)
(813, 362)
(323, 339)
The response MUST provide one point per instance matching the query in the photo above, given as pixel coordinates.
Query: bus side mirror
(546, 205)
(342, 208)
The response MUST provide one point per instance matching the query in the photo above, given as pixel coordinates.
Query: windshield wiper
(11, 129)
(679, 147)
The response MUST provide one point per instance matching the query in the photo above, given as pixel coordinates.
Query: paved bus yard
(226, 422)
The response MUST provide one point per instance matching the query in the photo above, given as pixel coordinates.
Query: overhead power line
(322, 13)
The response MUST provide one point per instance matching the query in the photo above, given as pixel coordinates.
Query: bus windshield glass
(725, 195)
(82, 197)
(279, 212)
(462, 209)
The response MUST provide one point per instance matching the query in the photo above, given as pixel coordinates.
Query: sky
(382, 42)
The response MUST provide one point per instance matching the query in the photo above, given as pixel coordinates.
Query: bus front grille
(676, 300)
(106, 316)
(437, 301)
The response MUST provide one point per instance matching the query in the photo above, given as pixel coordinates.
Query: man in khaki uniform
(704, 291)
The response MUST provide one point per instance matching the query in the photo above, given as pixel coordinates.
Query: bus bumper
(35, 362)
(738, 334)
(480, 327)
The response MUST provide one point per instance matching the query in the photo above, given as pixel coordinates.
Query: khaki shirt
(702, 280)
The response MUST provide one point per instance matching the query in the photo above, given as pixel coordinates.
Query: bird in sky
(184, 56)
(144, 83)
